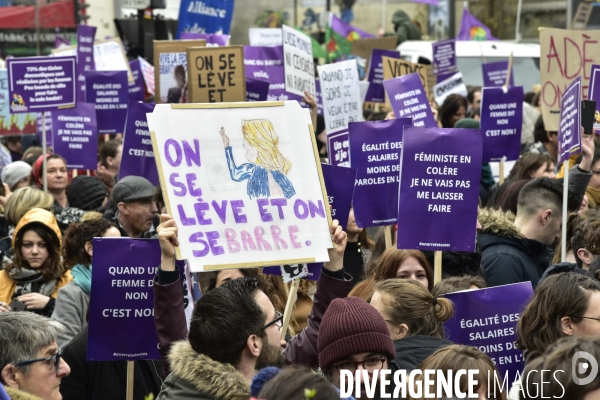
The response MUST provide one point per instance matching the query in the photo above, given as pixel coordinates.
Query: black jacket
(507, 256)
(562, 267)
(413, 350)
(104, 380)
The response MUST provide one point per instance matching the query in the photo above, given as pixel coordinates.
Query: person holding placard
(72, 301)
(236, 364)
(414, 317)
(32, 281)
(453, 109)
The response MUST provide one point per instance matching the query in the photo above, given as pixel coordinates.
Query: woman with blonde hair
(457, 357)
(414, 317)
(23, 200)
(394, 263)
(267, 168)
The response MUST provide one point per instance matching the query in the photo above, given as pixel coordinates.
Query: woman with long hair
(73, 300)
(414, 317)
(404, 264)
(36, 274)
(267, 168)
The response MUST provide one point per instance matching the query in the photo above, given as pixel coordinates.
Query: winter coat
(413, 350)
(562, 267)
(171, 326)
(71, 307)
(35, 215)
(103, 380)
(404, 28)
(16, 394)
(507, 256)
(196, 376)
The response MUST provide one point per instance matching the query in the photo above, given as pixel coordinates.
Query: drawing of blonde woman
(267, 168)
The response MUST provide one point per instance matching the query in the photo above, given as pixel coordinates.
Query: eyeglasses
(596, 319)
(54, 358)
(370, 364)
(278, 321)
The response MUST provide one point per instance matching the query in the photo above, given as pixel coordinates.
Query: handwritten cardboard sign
(564, 56)
(393, 68)
(244, 185)
(216, 74)
(298, 62)
(170, 69)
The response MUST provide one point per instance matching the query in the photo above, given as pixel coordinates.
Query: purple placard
(339, 182)
(108, 90)
(569, 129)
(376, 92)
(40, 127)
(494, 74)
(122, 300)
(338, 149)
(138, 155)
(439, 189)
(257, 89)
(136, 87)
(594, 94)
(501, 122)
(319, 98)
(487, 319)
(75, 136)
(85, 56)
(375, 152)
(214, 39)
(409, 99)
(444, 56)
(266, 63)
(41, 83)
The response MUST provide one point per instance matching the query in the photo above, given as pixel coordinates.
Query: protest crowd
(419, 227)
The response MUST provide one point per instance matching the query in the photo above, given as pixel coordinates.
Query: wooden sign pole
(130, 372)
(437, 266)
(289, 307)
(387, 232)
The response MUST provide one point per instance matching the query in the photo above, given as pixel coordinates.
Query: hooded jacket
(507, 256)
(404, 28)
(413, 350)
(46, 218)
(196, 376)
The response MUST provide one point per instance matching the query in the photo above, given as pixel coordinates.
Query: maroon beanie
(351, 326)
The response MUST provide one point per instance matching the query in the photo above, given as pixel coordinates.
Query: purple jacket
(171, 326)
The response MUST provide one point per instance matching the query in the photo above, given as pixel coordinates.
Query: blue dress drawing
(258, 178)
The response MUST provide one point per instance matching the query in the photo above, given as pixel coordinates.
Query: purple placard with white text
(339, 182)
(409, 100)
(136, 87)
(266, 63)
(338, 149)
(257, 89)
(439, 189)
(138, 155)
(376, 92)
(38, 84)
(375, 148)
(122, 300)
(487, 319)
(569, 128)
(494, 74)
(75, 136)
(444, 56)
(85, 56)
(501, 123)
(594, 94)
(109, 91)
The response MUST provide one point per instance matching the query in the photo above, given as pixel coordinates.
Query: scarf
(82, 277)
(593, 196)
(31, 281)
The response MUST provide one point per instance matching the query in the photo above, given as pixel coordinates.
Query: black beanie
(86, 193)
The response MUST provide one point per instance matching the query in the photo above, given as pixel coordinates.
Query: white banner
(298, 62)
(268, 37)
(452, 85)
